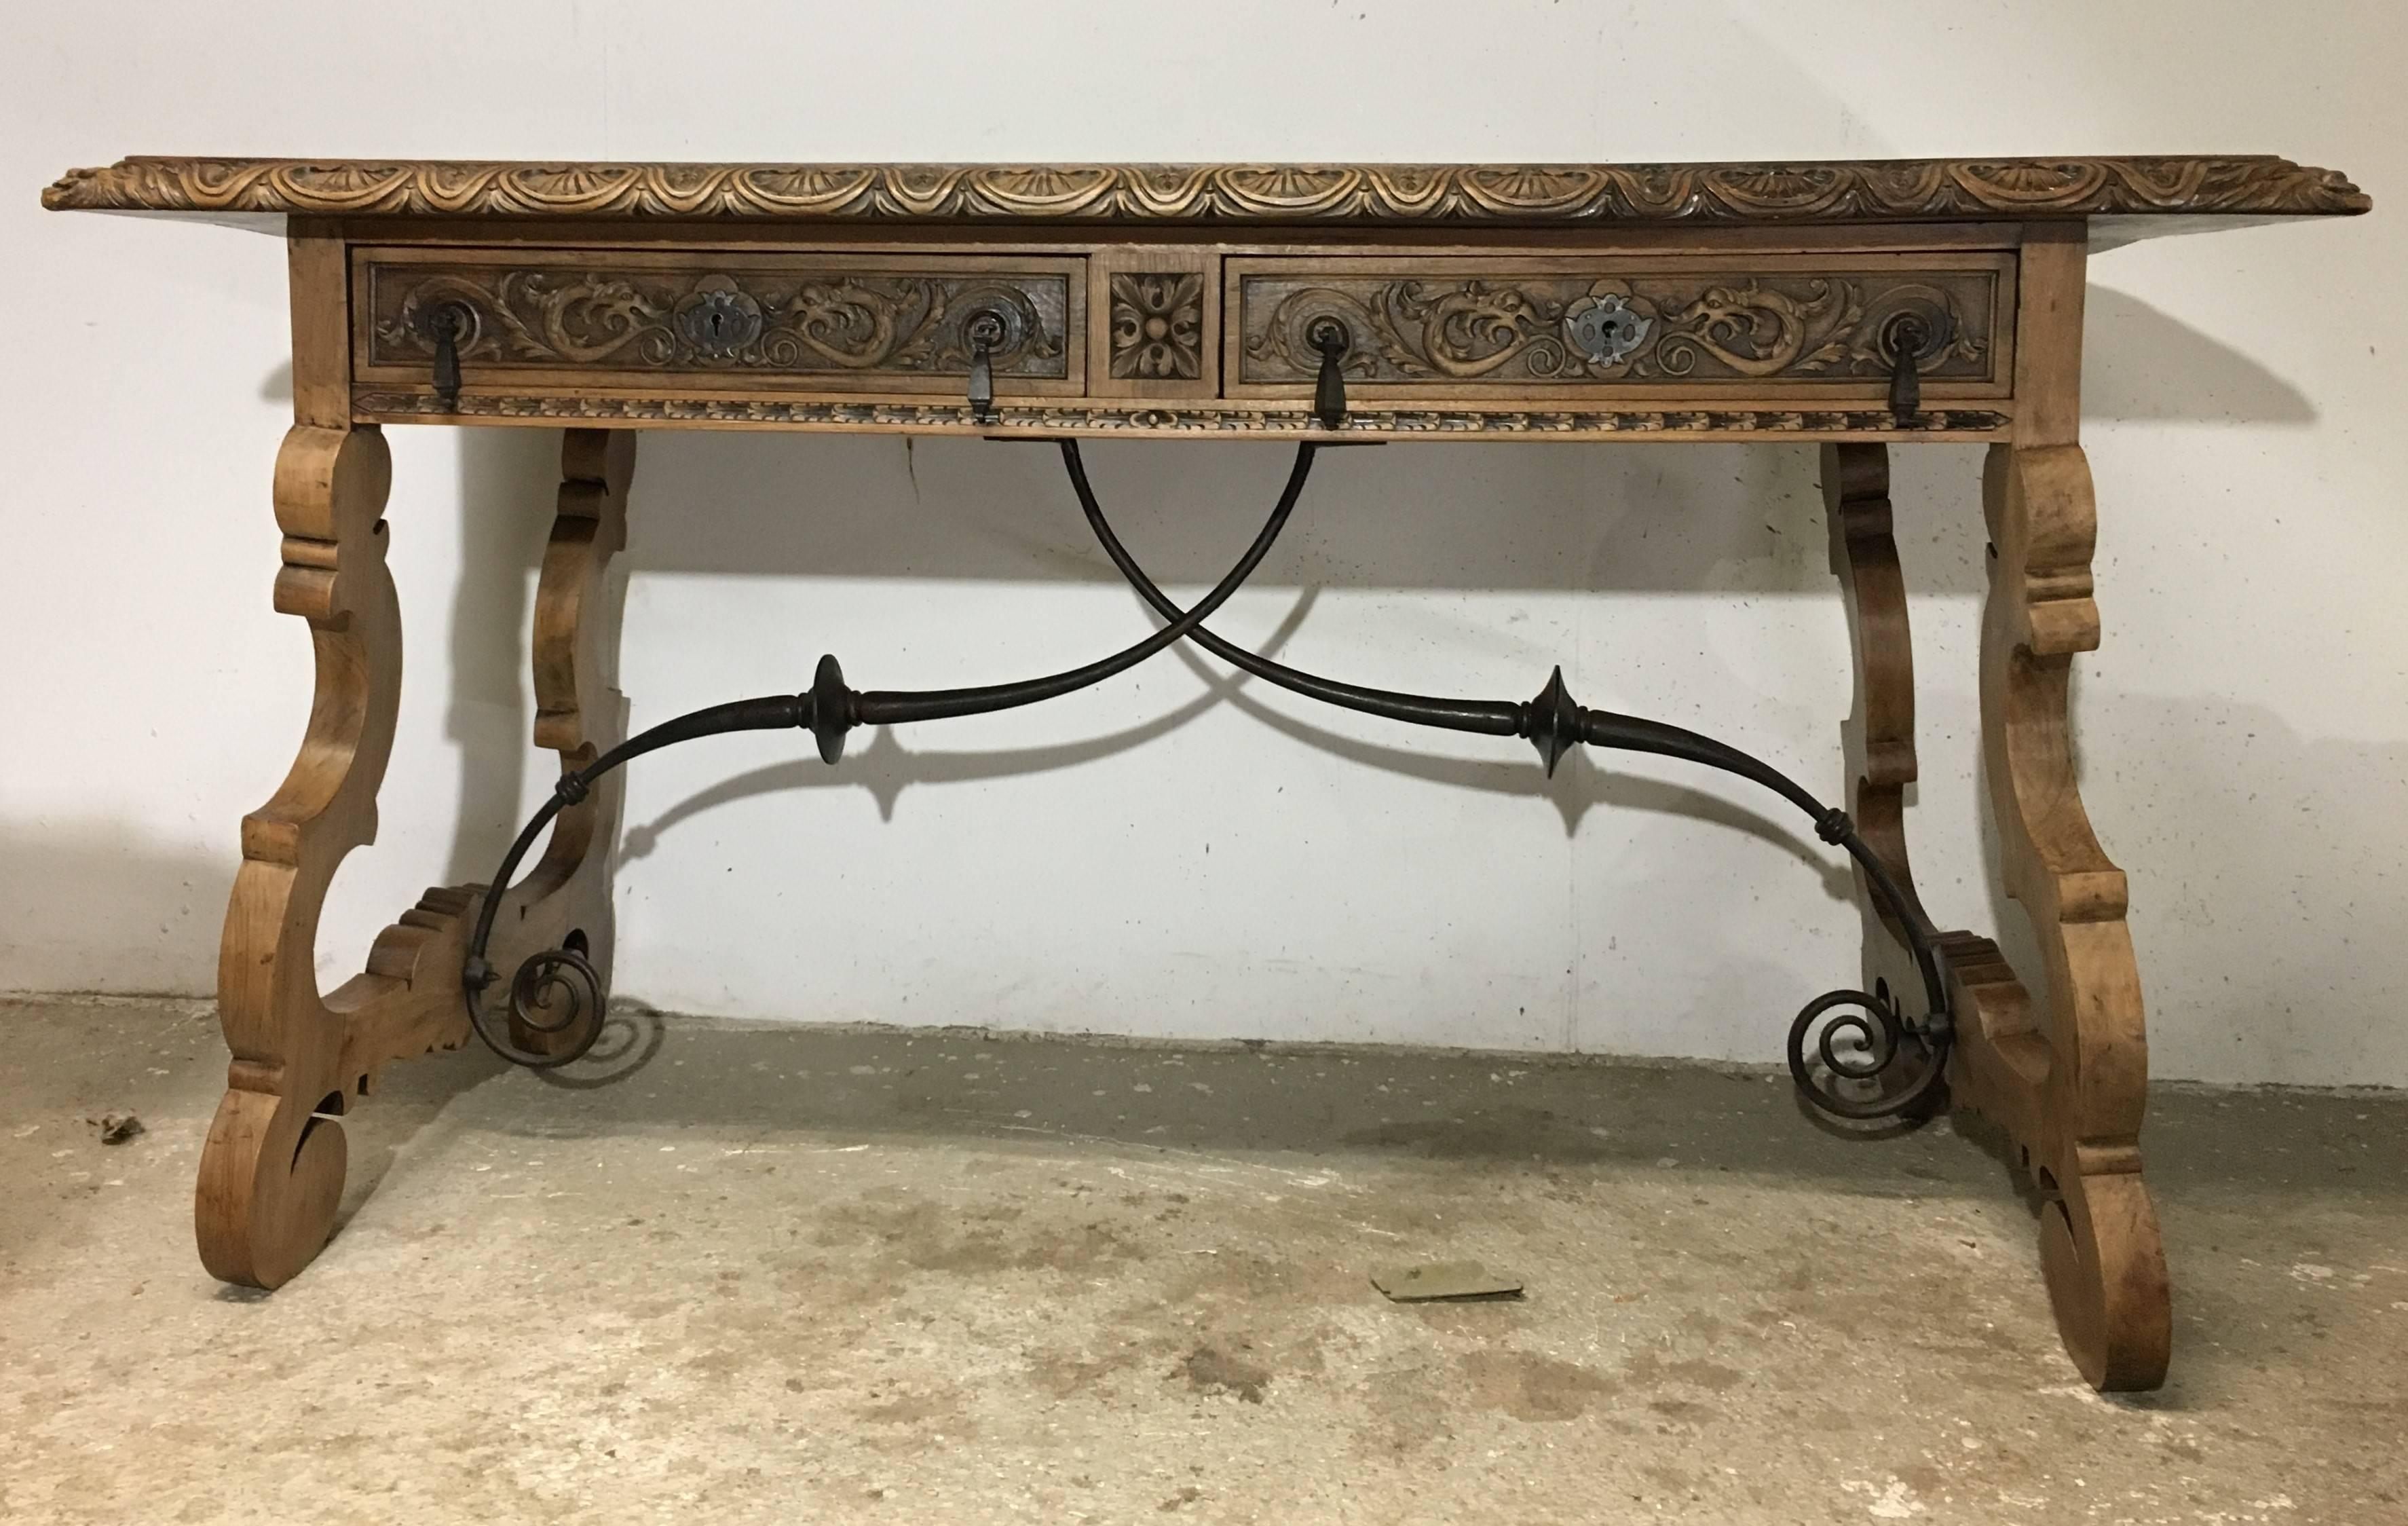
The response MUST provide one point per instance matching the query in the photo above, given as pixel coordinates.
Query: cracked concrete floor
(756, 1273)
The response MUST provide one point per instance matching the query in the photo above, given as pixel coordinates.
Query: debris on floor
(1450, 1281)
(875, 1293)
(116, 1127)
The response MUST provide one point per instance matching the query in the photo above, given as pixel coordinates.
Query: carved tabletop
(1743, 300)
(1320, 196)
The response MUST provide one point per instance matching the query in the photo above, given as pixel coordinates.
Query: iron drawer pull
(985, 333)
(1905, 336)
(1331, 338)
(452, 322)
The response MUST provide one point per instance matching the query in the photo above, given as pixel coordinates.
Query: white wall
(1174, 854)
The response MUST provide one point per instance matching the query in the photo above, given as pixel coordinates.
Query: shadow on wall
(1725, 518)
(509, 481)
(2310, 887)
(2140, 365)
(2286, 920)
(1733, 519)
(97, 896)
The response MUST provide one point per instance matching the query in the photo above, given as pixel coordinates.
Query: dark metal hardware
(451, 323)
(1606, 329)
(1856, 1036)
(1906, 336)
(1330, 336)
(986, 332)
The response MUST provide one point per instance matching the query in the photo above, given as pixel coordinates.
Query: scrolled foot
(271, 1178)
(2105, 1265)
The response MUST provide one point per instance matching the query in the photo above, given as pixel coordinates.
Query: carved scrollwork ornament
(1839, 192)
(999, 314)
(1294, 332)
(765, 322)
(1562, 329)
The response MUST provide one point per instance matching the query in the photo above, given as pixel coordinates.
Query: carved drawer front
(860, 323)
(1733, 326)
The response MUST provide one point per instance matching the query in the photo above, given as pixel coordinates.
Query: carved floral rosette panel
(1466, 324)
(1158, 326)
(797, 319)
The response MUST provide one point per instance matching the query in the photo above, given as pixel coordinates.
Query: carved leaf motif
(1158, 325)
(1421, 328)
(742, 320)
(1504, 195)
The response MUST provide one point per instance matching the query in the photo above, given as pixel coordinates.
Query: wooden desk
(1852, 304)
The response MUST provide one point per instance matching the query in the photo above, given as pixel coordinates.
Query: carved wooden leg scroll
(2068, 1092)
(565, 902)
(2068, 1077)
(272, 1169)
(1879, 739)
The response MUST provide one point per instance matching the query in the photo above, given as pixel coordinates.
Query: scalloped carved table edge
(1372, 194)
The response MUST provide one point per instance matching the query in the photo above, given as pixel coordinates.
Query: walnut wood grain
(1878, 741)
(2066, 1075)
(565, 901)
(1774, 192)
(2078, 1117)
(273, 1164)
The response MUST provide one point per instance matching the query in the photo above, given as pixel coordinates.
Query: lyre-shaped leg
(272, 1169)
(1879, 739)
(565, 902)
(2066, 1078)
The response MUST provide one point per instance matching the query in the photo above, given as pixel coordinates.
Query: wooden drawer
(1730, 326)
(706, 321)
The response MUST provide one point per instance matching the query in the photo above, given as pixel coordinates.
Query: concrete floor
(754, 1273)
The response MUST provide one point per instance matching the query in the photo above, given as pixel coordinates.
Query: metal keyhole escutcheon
(1606, 330)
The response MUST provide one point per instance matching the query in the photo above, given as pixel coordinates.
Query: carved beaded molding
(1870, 191)
(1052, 419)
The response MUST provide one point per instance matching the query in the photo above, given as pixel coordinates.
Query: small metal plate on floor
(1447, 1281)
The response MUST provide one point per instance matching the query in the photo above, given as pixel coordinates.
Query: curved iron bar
(1551, 723)
(828, 710)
